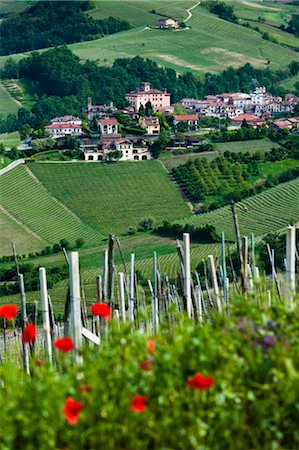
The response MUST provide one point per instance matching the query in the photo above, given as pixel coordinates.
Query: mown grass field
(271, 210)
(111, 198)
(256, 145)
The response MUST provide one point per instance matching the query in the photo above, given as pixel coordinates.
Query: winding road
(189, 11)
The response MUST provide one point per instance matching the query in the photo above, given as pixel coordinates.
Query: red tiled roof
(248, 118)
(108, 121)
(185, 117)
(151, 91)
(63, 125)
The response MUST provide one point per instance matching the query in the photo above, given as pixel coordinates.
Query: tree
(56, 248)
(10, 69)
(148, 109)
(13, 154)
(114, 155)
(64, 243)
(79, 243)
(2, 148)
(141, 111)
(25, 131)
(146, 224)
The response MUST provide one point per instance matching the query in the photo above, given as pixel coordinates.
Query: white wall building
(144, 94)
(63, 130)
(108, 126)
(130, 152)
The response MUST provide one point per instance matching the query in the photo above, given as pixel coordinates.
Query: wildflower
(29, 333)
(72, 410)
(85, 388)
(8, 312)
(138, 403)
(269, 341)
(39, 362)
(200, 382)
(146, 365)
(64, 344)
(151, 346)
(102, 310)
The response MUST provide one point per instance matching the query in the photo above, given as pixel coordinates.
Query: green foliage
(147, 223)
(51, 23)
(224, 11)
(205, 234)
(293, 26)
(114, 155)
(252, 404)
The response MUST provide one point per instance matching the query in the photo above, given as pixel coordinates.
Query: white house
(130, 151)
(191, 119)
(63, 130)
(66, 120)
(168, 22)
(108, 126)
(144, 94)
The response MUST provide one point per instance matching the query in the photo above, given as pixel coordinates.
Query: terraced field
(111, 198)
(8, 104)
(30, 203)
(271, 210)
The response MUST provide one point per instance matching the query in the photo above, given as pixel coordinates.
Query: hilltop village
(150, 123)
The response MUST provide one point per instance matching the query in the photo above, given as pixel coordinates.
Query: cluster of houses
(260, 104)
(255, 108)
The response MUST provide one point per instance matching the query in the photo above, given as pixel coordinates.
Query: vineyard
(260, 214)
(111, 198)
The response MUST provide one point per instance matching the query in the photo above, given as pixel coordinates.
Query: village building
(67, 120)
(98, 110)
(250, 119)
(108, 126)
(190, 119)
(290, 124)
(131, 150)
(144, 94)
(150, 124)
(166, 23)
(60, 130)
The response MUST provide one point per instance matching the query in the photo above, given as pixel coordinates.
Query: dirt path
(189, 11)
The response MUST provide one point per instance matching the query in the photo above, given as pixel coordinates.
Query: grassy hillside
(258, 145)
(27, 200)
(8, 104)
(111, 198)
(210, 44)
(263, 213)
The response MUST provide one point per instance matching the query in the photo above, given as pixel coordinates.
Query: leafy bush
(252, 353)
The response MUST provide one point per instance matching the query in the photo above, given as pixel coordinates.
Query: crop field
(290, 83)
(271, 210)
(256, 145)
(8, 104)
(27, 200)
(210, 44)
(111, 198)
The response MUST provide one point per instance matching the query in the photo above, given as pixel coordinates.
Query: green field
(256, 145)
(111, 198)
(210, 44)
(269, 211)
(8, 104)
(10, 139)
(84, 200)
(289, 84)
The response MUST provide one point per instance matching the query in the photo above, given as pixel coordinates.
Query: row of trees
(50, 23)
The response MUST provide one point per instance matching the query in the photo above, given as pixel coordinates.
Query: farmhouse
(67, 120)
(150, 124)
(190, 119)
(63, 130)
(108, 126)
(144, 94)
(98, 110)
(251, 119)
(131, 150)
(167, 22)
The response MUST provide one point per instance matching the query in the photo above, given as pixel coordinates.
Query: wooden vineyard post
(215, 283)
(104, 274)
(155, 296)
(76, 324)
(252, 254)
(245, 263)
(187, 273)
(45, 311)
(223, 268)
(24, 322)
(290, 258)
(132, 279)
(121, 290)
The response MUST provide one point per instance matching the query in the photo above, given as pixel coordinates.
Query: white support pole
(24, 322)
(45, 311)
(104, 274)
(187, 273)
(155, 298)
(215, 283)
(121, 290)
(132, 276)
(76, 324)
(290, 258)
(198, 303)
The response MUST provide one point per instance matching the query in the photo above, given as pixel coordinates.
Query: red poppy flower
(64, 344)
(29, 333)
(8, 312)
(138, 403)
(151, 346)
(72, 410)
(201, 382)
(85, 388)
(146, 365)
(39, 362)
(102, 310)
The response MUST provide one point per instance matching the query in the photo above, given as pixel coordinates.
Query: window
(144, 157)
(136, 158)
(90, 157)
(135, 151)
(100, 157)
